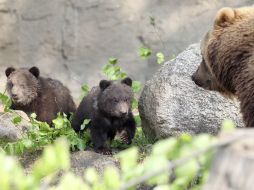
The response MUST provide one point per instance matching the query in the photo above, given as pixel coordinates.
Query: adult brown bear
(228, 58)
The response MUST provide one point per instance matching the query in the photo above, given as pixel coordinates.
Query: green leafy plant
(6, 101)
(160, 57)
(136, 86)
(144, 52)
(54, 159)
(85, 123)
(113, 71)
(152, 20)
(40, 134)
(84, 91)
(174, 156)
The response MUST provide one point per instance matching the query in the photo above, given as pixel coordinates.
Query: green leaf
(113, 61)
(91, 176)
(61, 147)
(173, 56)
(112, 71)
(27, 143)
(162, 187)
(165, 147)
(152, 20)
(111, 178)
(160, 57)
(71, 181)
(153, 163)
(44, 126)
(85, 123)
(185, 137)
(33, 115)
(144, 52)
(54, 158)
(58, 122)
(85, 91)
(201, 141)
(136, 86)
(134, 103)
(228, 125)
(10, 148)
(138, 121)
(188, 170)
(6, 101)
(128, 158)
(81, 144)
(17, 119)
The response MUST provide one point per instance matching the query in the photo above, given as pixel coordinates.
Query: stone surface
(71, 40)
(80, 161)
(233, 165)
(171, 103)
(84, 159)
(8, 130)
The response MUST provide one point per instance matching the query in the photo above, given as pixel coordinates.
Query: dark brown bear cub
(109, 108)
(34, 94)
(228, 58)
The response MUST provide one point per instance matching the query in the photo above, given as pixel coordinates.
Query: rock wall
(71, 40)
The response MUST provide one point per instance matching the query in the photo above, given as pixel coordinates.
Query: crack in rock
(35, 18)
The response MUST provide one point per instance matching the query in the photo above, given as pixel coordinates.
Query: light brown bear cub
(34, 94)
(228, 58)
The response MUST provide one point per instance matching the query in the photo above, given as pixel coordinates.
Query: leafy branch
(170, 166)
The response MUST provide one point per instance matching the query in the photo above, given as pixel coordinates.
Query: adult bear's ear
(104, 84)
(35, 71)
(224, 17)
(127, 81)
(8, 71)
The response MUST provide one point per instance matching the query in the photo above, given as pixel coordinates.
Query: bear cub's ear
(9, 70)
(104, 84)
(225, 17)
(35, 71)
(127, 81)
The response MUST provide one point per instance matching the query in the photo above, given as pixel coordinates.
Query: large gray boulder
(171, 103)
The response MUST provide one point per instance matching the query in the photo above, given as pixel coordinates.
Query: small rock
(84, 159)
(80, 161)
(171, 103)
(10, 132)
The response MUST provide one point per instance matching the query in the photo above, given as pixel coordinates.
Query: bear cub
(108, 106)
(34, 94)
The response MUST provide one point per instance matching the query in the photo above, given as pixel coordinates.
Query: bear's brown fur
(34, 94)
(228, 58)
